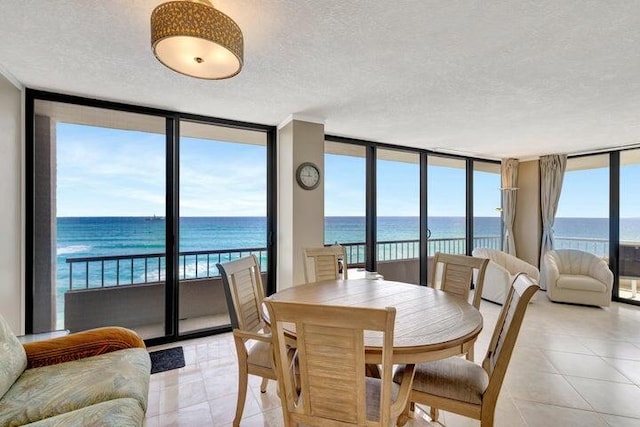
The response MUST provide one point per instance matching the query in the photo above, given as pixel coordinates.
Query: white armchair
(501, 271)
(577, 277)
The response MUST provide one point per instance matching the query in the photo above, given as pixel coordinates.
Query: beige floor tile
(609, 397)
(615, 349)
(221, 384)
(223, 409)
(554, 342)
(616, 421)
(558, 344)
(269, 399)
(552, 389)
(151, 421)
(528, 359)
(270, 418)
(180, 396)
(153, 403)
(507, 414)
(542, 415)
(628, 368)
(582, 365)
(190, 416)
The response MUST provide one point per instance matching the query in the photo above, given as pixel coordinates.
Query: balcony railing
(599, 247)
(118, 270)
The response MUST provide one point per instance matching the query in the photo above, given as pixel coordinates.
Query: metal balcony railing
(118, 270)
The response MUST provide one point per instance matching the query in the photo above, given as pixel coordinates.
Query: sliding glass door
(99, 229)
(344, 200)
(487, 218)
(398, 220)
(130, 209)
(582, 219)
(629, 249)
(447, 198)
(223, 215)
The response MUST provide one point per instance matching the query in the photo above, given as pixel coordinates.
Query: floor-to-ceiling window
(129, 209)
(344, 199)
(447, 198)
(223, 215)
(582, 218)
(398, 215)
(629, 249)
(402, 205)
(487, 218)
(99, 229)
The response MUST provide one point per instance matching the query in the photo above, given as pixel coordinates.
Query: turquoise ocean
(109, 236)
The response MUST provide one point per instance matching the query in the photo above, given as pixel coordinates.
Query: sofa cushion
(116, 413)
(13, 360)
(56, 389)
(579, 282)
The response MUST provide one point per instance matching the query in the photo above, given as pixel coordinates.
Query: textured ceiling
(487, 78)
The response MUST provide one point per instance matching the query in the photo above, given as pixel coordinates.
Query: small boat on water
(154, 218)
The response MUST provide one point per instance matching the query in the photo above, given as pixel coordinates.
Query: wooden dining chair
(462, 387)
(244, 292)
(326, 263)
(454, 275)
(329, 386)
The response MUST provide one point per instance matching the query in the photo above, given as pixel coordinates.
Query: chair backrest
(505, 334)
(573, 261)
(324, 263)
(331, 362)
(456, 275)
(244, 292)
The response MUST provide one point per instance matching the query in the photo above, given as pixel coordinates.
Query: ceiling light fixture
(193, 38)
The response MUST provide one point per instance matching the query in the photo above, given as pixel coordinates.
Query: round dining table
(430, 324)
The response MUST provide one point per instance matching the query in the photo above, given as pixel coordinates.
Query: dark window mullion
(172, 229)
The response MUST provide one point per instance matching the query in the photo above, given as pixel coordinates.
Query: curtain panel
(552, 169)
(509, 172)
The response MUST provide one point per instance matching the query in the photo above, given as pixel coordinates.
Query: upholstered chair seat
(260, 354)
(452, 378)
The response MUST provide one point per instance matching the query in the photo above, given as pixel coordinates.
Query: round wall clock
(308, 175)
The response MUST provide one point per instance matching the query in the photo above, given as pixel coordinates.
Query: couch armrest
(80, 345)
(524, 267)
(497, 275)
(600, 271)
(550, 272)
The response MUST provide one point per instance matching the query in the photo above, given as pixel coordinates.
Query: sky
(585, 193)
(112, 172)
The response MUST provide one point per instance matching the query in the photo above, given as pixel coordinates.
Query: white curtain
(509, 172)
(552, 169)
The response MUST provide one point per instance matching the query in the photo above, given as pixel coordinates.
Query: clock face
(308, 176)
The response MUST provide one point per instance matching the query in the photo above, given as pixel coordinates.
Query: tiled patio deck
(572, 366)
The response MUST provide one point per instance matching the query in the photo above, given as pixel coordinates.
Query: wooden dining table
(430, 324)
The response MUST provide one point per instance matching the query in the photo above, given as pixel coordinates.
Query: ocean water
(84, 237)
(108, 236)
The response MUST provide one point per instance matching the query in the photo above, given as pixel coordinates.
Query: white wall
(528, 223)
(300, 212)
(11, 286)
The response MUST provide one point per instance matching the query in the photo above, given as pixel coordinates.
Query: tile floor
(572, 366)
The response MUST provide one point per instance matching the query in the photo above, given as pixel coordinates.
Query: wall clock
(308, 175)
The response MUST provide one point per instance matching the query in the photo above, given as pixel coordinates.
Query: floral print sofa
(93, 378)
